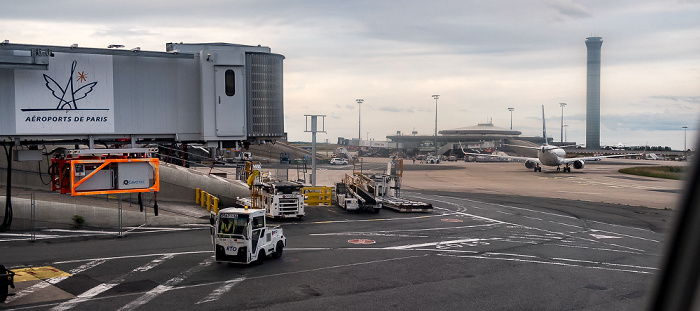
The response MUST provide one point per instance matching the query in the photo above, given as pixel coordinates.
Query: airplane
(551, 155)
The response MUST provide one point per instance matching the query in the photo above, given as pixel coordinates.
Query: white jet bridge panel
(230, 101)
(190, 93)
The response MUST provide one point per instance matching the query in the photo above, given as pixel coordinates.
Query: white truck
(240, 235)
(279, 199)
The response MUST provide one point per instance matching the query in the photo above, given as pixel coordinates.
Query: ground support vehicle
(279, 199)
(432, 160)
(358, 191)
(7, 278)
(405, 205)
(240, 235)
(284, 158)
(367, 190)
(345, 201)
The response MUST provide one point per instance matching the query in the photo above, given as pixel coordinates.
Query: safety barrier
(317, 195)
(205, 199)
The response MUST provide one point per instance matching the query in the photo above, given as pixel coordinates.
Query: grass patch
(668, 172)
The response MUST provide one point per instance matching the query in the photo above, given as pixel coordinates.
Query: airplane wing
(518, 159)
(598, 158)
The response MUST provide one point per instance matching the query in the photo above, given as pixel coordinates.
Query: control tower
(593, 45)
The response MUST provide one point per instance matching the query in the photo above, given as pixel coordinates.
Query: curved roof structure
(481, 129)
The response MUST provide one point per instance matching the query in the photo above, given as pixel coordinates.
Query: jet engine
(531, 164)
(578, 164)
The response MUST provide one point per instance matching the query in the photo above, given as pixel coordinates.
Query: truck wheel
(261, 257)
(279, 248)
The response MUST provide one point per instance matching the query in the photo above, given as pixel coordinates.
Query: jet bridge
(221, 95)
(114, 105)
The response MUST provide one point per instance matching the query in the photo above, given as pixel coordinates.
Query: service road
(474, 252)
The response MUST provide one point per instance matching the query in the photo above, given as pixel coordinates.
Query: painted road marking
(52, 281)
(37, 273)
(560, 262)
(362, 241)
(451, 220)
(600, 236)
(169, 285)
(89, 294)
(373, 219)
(217, 293)
(442, 243)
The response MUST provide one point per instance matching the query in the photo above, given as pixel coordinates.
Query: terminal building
(483, 137)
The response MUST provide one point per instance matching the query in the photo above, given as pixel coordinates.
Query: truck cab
(240, 235)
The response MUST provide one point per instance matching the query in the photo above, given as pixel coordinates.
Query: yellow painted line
(37, 273)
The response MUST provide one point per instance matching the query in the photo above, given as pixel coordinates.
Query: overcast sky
(481, 57)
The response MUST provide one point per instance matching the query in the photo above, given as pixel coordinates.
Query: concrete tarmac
(598, 181)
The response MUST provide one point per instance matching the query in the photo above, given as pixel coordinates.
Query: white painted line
(53, 281)
(133, 256)
(89, 294)
(554, 263)
(600, 236)
(169, 285)
(629, 236)
(452, 242)
(387, 232)
(606, 263)
(220, 291)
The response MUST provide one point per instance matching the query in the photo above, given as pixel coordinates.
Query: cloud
(569, 8)
(688, 99)
(648, 122)
(395, 109)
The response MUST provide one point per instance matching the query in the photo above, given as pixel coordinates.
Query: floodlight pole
(511, 117)
(314, 129)
(435, 142)
(359, 123)
(562, 121)
(685, 147)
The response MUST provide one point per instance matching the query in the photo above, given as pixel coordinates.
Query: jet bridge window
(230, 80)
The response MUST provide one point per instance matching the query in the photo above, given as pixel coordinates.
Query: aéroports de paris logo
(69, 95)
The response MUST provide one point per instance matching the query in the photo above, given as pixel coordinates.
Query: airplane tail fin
(544, 128)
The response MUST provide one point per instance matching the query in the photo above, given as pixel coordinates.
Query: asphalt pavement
(491, 243)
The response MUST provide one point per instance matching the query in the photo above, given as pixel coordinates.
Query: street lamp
(565, 127)
(359, 117)
(436, 100)
(684, 138)
(511, 117)
(562, 121)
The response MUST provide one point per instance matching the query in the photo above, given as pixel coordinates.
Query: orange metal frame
(105, 162)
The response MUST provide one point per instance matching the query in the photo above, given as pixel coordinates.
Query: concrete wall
(177, 184)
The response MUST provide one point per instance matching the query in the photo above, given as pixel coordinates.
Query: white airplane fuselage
(550, 155)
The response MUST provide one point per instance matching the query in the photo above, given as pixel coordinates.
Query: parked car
(339, 161)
